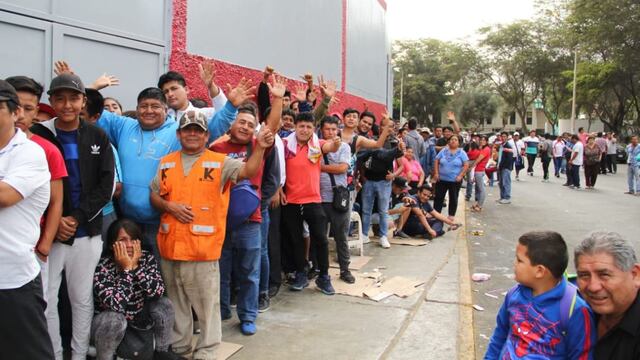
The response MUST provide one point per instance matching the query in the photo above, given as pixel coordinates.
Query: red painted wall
(226, 73)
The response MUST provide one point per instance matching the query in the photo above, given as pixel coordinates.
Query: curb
(466, 339)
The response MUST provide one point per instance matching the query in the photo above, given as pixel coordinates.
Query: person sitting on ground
(609, 280)
(127, 289)
(400, 206)
(542, 316)
(424, 221)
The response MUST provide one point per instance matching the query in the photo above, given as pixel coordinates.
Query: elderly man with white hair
(609, 279)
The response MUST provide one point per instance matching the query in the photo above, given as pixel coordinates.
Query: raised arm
(277, 90)
(264, 141)
(222, 119)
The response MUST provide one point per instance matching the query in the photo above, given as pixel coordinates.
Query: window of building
(529, 118)
(512, 118)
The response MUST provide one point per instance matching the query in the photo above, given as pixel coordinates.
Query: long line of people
(174, 213)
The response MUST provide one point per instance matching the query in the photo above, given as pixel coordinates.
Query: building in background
(137, 41)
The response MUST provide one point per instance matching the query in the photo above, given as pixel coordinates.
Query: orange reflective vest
(202, 239)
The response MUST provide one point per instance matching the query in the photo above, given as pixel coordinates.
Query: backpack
(567, 305)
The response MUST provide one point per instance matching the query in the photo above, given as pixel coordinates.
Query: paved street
(536, 206)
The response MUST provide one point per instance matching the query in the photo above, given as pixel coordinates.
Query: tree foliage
(431, 69)
(474, 107)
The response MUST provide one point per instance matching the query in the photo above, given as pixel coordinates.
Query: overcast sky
(450, 19)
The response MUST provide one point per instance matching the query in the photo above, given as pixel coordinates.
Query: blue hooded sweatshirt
(140, 152)
(528, 327)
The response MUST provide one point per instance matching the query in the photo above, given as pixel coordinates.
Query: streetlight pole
(573, 102)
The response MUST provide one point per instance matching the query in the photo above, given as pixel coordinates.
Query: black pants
(275, 258)
(293, 215)
(442, 187)
(591, 174)
(573, 175)
(546, 160)
(531, 160)
(603, 164)
(23, 333)
(612, 164)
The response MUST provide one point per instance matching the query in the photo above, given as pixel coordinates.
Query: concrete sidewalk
(434, 323)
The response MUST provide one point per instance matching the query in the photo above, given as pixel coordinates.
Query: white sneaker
(384, 242)
(365, 240)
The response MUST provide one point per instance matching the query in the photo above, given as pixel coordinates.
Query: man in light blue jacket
(143, 142)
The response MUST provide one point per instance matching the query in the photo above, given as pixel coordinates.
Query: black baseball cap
(66, 81)
(8, 92)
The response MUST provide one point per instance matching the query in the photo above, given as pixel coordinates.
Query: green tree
(474, 106)
(607, 34)
(432, 70)
(514, 63)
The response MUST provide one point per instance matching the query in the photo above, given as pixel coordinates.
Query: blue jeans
(241, 256)
(633, 179)
(557, 164)
(264, 251)
(505, 184)
(574, 175)
(370, 191)
(469, 188)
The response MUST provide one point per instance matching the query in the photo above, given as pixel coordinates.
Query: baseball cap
(8, 92)
(47, 109)
(425, 129)
(401, 183)
(516, 134)
(66, 81)
(193, 118)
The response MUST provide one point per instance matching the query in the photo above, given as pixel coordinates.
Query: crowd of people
(168, 217)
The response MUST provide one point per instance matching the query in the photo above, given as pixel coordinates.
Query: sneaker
(504, 201)
(248, 328)
(273, 291)
(630, 192)
(347, 277)
(467, 198)
(233, 300)
(384, 242)
(572, 186)
(324, 284)
(290, 277)
(313, 273)
(517, 178)
(166, 355)
(565, 184)
(300, 282)
(263, 302)
(400, 234)
(365, 239)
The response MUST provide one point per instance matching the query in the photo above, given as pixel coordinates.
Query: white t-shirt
(519, 146)
(612, 148)
(23, 166)
(579, 149)
(558, 148)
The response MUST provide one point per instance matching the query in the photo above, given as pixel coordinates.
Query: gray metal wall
(126, 38)
(368, 50)
(294, 36)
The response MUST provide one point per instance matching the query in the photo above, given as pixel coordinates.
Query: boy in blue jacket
(542, 317)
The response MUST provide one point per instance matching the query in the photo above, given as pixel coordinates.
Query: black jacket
(97, 174)
(377, 163)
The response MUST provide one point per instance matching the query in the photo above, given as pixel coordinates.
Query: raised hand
(61, 67)
(207, 70)
(308, 78)
(327, 89)
(268, 71)
(241, 93)
(451, 116)
(104, 81)
(300, 93)
(278, 87)
(265, 137)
